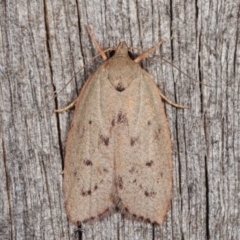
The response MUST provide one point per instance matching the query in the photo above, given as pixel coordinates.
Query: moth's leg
(170, 102)
(66, 108)
(145, 54)
(99, 48)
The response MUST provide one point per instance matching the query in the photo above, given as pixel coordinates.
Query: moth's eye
(130, 54)
(111, 53)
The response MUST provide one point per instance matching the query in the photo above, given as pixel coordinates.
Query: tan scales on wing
(118, 150)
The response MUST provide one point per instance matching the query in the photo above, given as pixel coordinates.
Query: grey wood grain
(44, 44)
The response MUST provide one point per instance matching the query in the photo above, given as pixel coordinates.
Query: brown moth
(118, 152)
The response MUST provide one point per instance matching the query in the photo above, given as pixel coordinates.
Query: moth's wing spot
(105, 170)
(156, 136)
(120, 87)
(120, 182)
(148, 220)
(122, 119)
(135, 180)
(150, 194)
(149, 123)
(75, 172)
(85, 193)
(102, 170)
(158, 133)
(126, 209)
(155, 223)
(104, 140)
(89, 122)
(95, 187)
(132, 169)
(141, 218)
(113, 123)
(134, 215)
(146, 193)
(149, 163)
(133, 141)
(87, 162)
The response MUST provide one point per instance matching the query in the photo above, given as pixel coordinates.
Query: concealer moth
(118, 151)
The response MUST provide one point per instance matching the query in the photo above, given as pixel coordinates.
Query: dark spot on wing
(120, 182)
(85, 193)
(120, 87)
(148, 220)
(150, 194)
(133, 169)
(81, 132)
(149, 163)
(146, 193)
(149, 123)
(104, 140)
(95, 187)
(122, 119)
(87, 162)
(156, 135)
(133, 141)
(134, 215)
(134, 180)
(161, 174)
(141, 218)
(105, 170)
(113, 122)
(90, 122)
(126, 209)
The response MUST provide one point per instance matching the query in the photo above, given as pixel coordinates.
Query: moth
(118, 151)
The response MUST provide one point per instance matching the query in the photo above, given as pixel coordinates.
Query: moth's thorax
(122, 70)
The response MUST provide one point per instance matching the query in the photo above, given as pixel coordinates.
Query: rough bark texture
(44, 43)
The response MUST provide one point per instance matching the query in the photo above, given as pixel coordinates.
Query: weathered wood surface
(44, 43)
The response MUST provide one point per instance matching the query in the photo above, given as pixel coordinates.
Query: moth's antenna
(150, 51)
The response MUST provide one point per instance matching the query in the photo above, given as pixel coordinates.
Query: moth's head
(122, 50)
